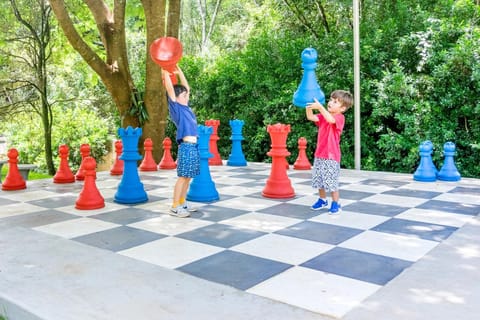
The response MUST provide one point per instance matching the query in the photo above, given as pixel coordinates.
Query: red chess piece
(167, 160)
(302, 162)
(278, 185)
(148, 163)
(117, 168)
(216, 160)
(85, 152)
(13, 180)
(89, 198)
(64, 174)
(166, 52)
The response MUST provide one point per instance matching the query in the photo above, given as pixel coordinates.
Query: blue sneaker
(335, 208)
(319, 204)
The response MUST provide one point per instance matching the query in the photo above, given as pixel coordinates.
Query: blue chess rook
(426, 171)
(130, 189)
(309, 87)
(236, 158)
(202, 188)
(449, 171)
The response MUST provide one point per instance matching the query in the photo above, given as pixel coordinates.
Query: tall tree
(113, 67)
(26, 91)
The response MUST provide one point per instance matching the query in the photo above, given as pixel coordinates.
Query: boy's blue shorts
(188, 160)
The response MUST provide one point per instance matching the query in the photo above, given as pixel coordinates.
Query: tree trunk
(155, 98)
(114, 72)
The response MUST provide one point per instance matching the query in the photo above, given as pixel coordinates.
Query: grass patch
(31, 176)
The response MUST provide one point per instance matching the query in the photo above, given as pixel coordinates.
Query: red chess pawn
(13, 180)
(64, 174)
(302, 162)
(148, 164)
(117, 168)
(216, 160)
(85, 152)
(278, 185)
(167, 160)
(89, 198)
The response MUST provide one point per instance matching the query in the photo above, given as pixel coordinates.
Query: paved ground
(400, 249)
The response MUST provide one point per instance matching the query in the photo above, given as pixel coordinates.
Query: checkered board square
(275, 248)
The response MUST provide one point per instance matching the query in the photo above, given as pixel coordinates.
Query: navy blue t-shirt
(183, 118)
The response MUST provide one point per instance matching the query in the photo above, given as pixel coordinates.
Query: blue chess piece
(426, 171)
(430, 163)
(202, 188)
(130, 189)
(309, 87)
(449, 171)
(236, 158)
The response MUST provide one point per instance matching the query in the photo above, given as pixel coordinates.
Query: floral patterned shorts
(325, 174)
(188, 160)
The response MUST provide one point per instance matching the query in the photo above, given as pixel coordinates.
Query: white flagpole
(356, 80)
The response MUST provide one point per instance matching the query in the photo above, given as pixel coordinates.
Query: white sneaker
(188, 208)
(179, 212)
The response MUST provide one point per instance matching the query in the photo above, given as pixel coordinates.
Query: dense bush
(73, 127)
(420, 81)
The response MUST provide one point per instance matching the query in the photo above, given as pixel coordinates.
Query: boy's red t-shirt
(328, 138)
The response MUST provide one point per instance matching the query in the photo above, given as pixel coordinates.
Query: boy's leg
(335, 196)
(322, 194)
(318, 183)
(178, 190)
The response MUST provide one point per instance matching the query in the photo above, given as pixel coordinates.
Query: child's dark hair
(344, 97)
(179, 88)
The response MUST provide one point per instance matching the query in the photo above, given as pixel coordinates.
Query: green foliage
(73, 127)
(138, 107)
(420, 79)
(238, 89)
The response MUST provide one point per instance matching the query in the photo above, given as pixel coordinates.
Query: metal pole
(356, 80)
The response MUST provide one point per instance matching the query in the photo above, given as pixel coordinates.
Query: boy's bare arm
(309, 113)
(324, 112)
(167, 82)
(183, 79)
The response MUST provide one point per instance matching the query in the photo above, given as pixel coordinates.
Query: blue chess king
(448, 172)
(309, 87)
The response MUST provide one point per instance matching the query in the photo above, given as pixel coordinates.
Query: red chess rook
(278, 184)
(216, 160)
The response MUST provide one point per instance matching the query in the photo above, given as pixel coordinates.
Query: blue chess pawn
(449, 171)
(309, 87)
(236, 158)
(202, 188)
(130, 189)
(430, 163)
(426, 171)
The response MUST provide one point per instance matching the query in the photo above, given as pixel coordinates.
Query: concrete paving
(49, 277)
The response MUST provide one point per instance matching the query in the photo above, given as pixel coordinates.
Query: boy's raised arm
(183, 79)
(167, 82)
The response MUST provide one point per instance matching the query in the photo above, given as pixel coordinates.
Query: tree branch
(65, 22)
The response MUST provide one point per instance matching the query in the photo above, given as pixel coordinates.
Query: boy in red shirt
(326, 167)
